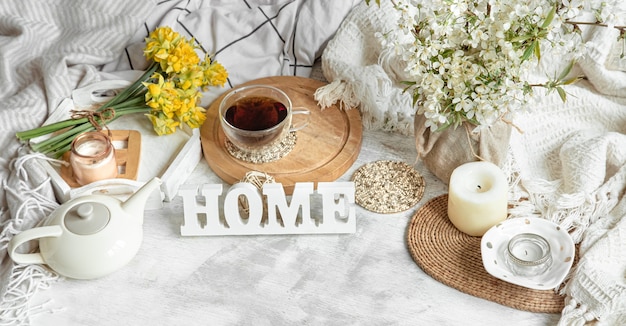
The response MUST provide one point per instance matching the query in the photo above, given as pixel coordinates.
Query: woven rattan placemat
(453, 258)
(267, 155)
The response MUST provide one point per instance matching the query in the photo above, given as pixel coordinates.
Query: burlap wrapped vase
(443, 151)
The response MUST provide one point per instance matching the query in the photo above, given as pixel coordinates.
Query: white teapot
(89, 236)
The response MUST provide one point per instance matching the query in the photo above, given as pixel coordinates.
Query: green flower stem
(44, 130)
(61, 151)
(130, 100)
(140, 93)
(53, 143)
(47, 129)
(61, 143)
(132, 89)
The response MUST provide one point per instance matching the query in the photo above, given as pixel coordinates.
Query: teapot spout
(136, 203)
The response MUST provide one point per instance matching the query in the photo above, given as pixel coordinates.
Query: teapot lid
(87, 218)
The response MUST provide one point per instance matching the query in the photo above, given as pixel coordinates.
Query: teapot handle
(31, 234)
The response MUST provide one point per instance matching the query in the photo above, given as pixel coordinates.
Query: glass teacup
(258, 117)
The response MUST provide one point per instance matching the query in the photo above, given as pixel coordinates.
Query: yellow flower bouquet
(168, 93)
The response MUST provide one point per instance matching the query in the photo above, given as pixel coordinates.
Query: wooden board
(324, 150)
(126, 156)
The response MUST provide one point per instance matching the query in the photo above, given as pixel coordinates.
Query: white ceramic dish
(493, 250)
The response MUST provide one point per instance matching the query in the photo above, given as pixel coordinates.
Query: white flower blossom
(465, 58)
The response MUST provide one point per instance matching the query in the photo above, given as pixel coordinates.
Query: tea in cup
(258, 117)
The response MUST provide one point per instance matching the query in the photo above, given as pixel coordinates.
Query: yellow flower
(197, 118)
(159, 43)
(168, 93)
(154, 90)
(214, 73)
(187, 102)
(159, 95)
(182, 57)
(161, 124)
(173, 93)
(173, 52)
(192, 78)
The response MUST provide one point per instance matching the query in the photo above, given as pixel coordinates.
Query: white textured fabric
(252, 39)
(568, 165)
(50, 47)
(571, 161)
(362, 72)
(47, 49)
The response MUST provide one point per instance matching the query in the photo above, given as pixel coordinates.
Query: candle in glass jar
(477, 197)
(92, 158)
(528, 254)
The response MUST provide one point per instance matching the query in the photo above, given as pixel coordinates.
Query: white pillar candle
(477, 197)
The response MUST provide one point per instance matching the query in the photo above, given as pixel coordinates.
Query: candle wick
(479, 187)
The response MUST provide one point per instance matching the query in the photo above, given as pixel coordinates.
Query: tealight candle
(477, 197)
(92, 158)
(528, 254)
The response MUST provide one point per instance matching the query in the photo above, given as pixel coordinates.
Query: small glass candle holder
(92, 158)
(528, 254)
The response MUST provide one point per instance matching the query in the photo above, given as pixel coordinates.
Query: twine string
(469, 142)
(105, 115)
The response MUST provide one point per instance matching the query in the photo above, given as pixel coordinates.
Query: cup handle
(31, 234)
(302, 122)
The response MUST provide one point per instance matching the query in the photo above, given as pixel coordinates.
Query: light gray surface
(365, 278)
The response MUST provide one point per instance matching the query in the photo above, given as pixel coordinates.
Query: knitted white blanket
(49, 48)
(569, 162)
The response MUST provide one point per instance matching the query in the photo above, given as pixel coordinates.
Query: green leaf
(443, 127)
(520, 38)
(572, 80)
(537, 49)
(566, 71)
(562, 93)
(528, 52)
(549, 18)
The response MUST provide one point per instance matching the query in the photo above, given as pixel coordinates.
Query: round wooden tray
(324, 150)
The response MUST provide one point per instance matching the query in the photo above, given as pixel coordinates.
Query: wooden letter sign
(269, 212)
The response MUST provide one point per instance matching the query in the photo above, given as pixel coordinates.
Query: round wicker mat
(387, 186)
(271, 154)
(454, 259)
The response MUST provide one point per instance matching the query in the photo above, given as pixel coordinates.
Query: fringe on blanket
(575, 212)
(33, 203)
(597, 291)
(26, 280)
(583, 312)
(362, 72)
(370, 90)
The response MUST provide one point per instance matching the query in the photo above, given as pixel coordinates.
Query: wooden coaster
(325, 149)
(454, 259)
(127, 145)
(388, 186)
